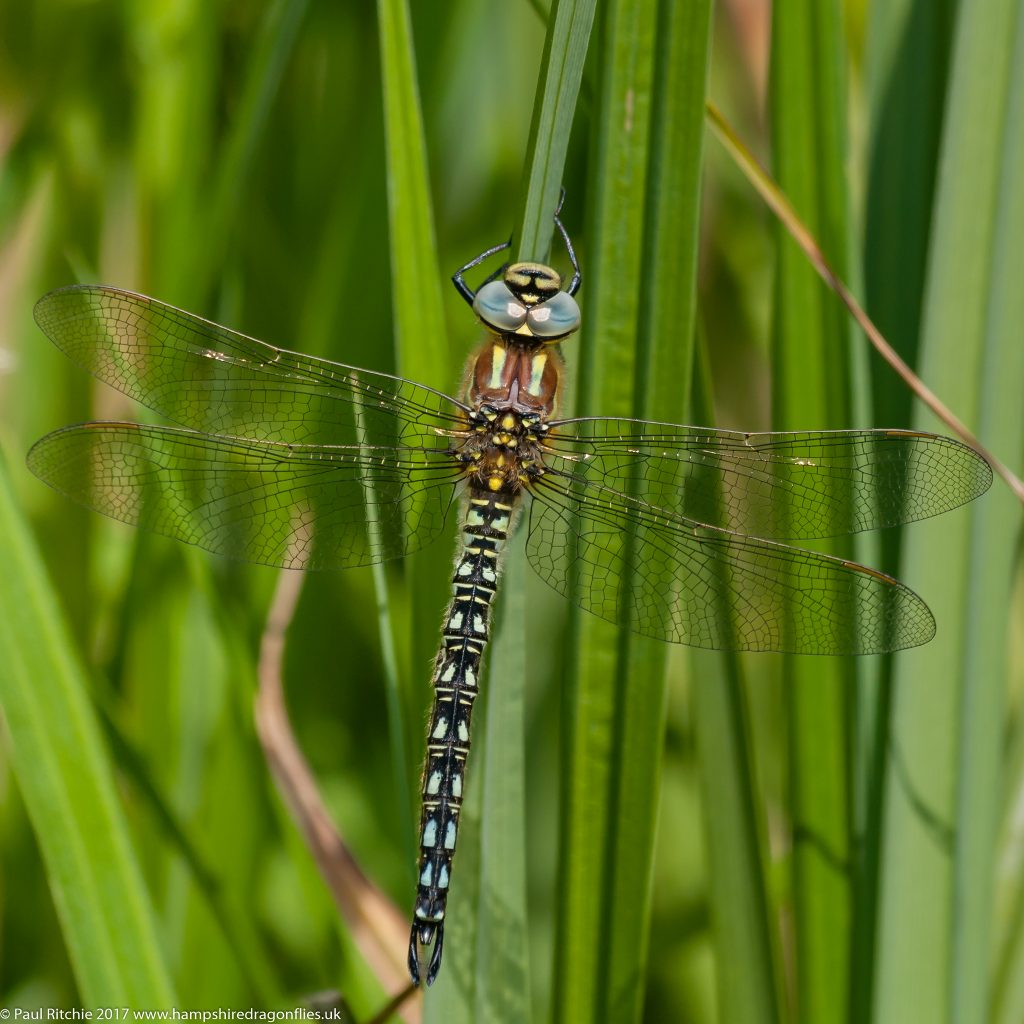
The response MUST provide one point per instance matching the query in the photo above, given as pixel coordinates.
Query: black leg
(459, 281)
(458, 278)
(577, 277)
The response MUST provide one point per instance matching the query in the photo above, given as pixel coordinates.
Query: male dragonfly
(674, 532)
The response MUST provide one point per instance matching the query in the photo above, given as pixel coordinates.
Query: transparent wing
(209, 378)
(297, 506)
(666, 577)
(778, 486)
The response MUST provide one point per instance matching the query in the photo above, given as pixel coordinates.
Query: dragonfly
(675, 532)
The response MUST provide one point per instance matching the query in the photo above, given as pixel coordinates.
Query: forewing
(777, 486)
(212, 379)
(649, 571)
(295, 506)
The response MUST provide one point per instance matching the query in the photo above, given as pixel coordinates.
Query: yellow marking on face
(537, 364)
(497, 365)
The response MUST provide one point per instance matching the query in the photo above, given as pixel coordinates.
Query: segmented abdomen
(456, 674)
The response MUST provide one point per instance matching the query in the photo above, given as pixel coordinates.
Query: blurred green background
(775, 838)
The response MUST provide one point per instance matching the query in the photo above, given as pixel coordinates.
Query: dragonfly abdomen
(486, 526)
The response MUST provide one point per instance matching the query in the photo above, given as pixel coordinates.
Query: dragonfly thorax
(503, 449)
(513, 374)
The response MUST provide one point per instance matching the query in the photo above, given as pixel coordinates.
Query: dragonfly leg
(458, 278)
(577, 277)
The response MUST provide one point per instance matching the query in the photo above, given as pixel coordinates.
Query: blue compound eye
(555, 318)
(499, 308)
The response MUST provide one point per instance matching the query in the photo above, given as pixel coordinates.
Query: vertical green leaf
(420, 332)
(67, 781)
(595, 692)
(742, 915)
(636, 361)
(503, 990)
(502, 955)
(907, 69)
(810, 390)
(944, 784)
(565, 51)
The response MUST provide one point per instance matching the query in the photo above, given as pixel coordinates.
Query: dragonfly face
(675, 532)
(528, 302)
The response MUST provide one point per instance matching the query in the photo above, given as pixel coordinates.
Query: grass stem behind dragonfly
(674, 532)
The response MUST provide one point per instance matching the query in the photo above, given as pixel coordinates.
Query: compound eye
(499, 308)
(555, 318)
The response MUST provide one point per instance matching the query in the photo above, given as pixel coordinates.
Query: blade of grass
(66, 778)
(503, 963)
(907, 69)
(264, 71)
(421, 340)
(907, 57)
(945, 780)
(593, 716)
(565, 51)
(734, 831)
(811, 370)
(666, 315)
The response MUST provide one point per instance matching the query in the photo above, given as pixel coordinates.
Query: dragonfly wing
(662, 576)
(209, 378)
(300, 507)
(778, 486)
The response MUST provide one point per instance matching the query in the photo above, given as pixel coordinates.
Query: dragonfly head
(532, 283)
(528, 301)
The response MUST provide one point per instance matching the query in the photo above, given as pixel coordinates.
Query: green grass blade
(907, 68)
(66, 778)
(742, 915)
(420, 334)
(503, 990)
(741, 912)
(565, 50)
(503, 963)
(636, 361)
(593, 715)
(810, 390)
(945, 780)
(666, 318)
(418, 315)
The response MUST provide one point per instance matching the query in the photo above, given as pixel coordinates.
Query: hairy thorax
(513, 389)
